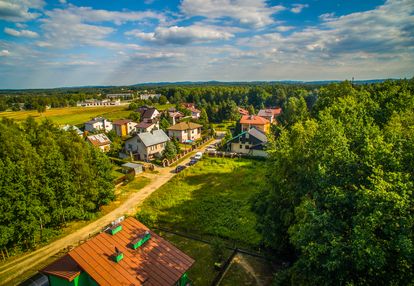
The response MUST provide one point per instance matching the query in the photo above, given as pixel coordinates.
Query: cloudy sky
(55, 43)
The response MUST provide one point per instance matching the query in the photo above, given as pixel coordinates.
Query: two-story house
(98, 124)
(185, 131)
(124, 127)
(147, 145)
(252, 142)
(270, 114)
(260, 123)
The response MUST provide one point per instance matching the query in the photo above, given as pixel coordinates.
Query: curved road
(18, 266)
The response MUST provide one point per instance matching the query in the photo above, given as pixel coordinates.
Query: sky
(62, 43)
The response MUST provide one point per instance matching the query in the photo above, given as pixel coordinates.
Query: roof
(99, 139)
(144, 124)
(184, 126)
(258, 134)
(156, 262)
(71, 127)
(131, 165)
(270, 112)
(154, 137)
(121, 121)
(193, 109)
(96, 119)
(65, 267)
(175, 114)
(243, 111)
(253, 119)
(147, 112)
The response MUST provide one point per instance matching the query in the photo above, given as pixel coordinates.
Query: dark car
(192, 162)
(179, 168)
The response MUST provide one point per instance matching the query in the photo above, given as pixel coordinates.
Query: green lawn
(210, 198)
(224, 126)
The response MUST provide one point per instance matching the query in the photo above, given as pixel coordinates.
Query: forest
(339, 197)
(48, 177)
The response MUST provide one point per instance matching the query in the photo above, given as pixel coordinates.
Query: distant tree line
(339, 197)
(48, 177)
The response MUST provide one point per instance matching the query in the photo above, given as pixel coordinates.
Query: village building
(124, 127)
(147, 126)
(126, 253)
(270, 114)
(70, 128)
(146, 96)
(95, 102)
(148, 113)
(113, 96)
(175, 115)
(260, 123)
(195, 113)
(148, 145)
(185, 131)
(252, 142)
(98, 124)
(132, 167)
(101, 141)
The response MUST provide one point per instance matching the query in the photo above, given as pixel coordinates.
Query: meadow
(75, 115)
(212, 198)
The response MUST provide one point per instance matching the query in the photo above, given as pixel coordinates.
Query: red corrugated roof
(253, 119)
(64, 267)
(157, 262)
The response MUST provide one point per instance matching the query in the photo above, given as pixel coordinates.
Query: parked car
(198, 156)
(192, 162)
(209, 149)
(179, 168)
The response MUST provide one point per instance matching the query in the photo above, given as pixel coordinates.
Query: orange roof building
(127, 253)
(260, 123)
(270, 114)
(242, 111)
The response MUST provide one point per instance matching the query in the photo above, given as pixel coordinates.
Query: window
(246, 147)
(241, 146)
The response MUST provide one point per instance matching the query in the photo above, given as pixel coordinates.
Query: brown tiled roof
(270, 112)
(156, 262)
(144, 124)
(243, 111)
(253, 119)
(184, 126)
(121, 121)
(64, 267)
(99, 139)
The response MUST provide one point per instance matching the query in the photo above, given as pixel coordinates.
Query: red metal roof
(64, 267)
(253, 119)
(157, 262)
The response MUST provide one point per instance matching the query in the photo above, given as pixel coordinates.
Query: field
(75, 115)
(211, 198)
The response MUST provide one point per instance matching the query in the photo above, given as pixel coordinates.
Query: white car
(198, 155)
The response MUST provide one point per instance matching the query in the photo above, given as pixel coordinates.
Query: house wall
(105, 148)
(240, 148)
(181, 136)
(262, 127)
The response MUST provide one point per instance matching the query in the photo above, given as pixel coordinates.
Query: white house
(98, 124)
(185, 131)
(147, 126)
(252, 142)
(145, 146)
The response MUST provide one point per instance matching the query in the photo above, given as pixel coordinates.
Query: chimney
(141, 240)
(118, 255)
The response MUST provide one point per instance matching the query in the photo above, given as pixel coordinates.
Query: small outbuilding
(127, 167)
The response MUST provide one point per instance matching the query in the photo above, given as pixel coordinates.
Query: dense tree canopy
(47, 177)
(339, 195)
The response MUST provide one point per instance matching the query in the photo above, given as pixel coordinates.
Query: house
(195, 113)
(147, 145)
(147, 126)
(128, 167)
(101, 141)
(249, 121)
(242, 111)
(113, 96)
(148, 113)
(185, 131)
(126, 253)
(72, 128)
(175, 115)
(252, 142)
(98, 124)
(124, 127)
(270, 114)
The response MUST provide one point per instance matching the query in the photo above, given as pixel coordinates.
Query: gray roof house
(252, 142)
(147, 145)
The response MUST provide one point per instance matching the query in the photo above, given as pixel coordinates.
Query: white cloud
(21, 33)
(4, 53)
(18, 10)
(248, 12)
(62, 1)
(297, 8)
(284, 28)
(182, 35)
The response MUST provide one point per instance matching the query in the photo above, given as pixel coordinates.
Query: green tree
(170, 150)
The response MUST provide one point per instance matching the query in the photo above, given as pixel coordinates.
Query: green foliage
(135, 116)
(163, 100)
(219, 249)
(47, 177)
(170, 150)
(339, 189)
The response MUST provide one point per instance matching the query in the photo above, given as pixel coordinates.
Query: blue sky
(56, 43)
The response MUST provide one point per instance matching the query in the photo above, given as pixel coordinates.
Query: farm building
(252, 142)
(101, 141)
(127, 253)
(185, 131)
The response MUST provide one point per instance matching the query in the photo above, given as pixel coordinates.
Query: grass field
(75, 115)
(210, 198)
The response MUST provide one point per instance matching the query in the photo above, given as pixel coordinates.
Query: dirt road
(29, 261)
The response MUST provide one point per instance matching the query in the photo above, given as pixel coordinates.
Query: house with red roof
(124, 127)
(242, 111)
(260, 123)
(126, 253)
(270, 114)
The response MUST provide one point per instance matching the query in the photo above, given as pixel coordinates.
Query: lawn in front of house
(212, 198)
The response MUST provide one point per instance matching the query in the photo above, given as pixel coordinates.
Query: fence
(166, 162)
